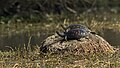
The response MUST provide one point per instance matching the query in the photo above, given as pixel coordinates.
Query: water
(112, 36)
(18, 40)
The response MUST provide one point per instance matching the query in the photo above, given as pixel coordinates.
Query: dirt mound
(92, 44)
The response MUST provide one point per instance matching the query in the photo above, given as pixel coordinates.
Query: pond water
(17, 40)
(21, 39)
(112, 36)
(14, 41)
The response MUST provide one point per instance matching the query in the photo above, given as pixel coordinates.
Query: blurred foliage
(37, 10)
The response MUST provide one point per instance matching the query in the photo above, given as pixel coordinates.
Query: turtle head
(63, 27)
(60, 34)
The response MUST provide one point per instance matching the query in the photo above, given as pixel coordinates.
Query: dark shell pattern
(74, 32)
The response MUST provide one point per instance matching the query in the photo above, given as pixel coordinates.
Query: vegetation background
(32, 9)
(24, 24)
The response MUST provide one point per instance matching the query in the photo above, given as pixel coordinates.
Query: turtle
(77, 26)
(73, 26)
(74, 32)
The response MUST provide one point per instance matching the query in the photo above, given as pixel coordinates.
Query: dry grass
(26, 58)
(32, 58)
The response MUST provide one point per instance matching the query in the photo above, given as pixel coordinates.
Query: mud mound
(92, 44)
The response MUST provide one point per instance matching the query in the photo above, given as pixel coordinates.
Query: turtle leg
(60, 34)
(78, 40)
(65, 38)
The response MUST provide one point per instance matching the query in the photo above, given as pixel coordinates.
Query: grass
(28, 57)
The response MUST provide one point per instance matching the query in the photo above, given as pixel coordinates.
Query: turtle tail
(60, 34)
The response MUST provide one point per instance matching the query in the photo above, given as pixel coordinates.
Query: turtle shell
(74, 31)
(76, 34)
(74, 26)
(77, 26)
